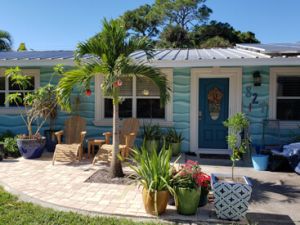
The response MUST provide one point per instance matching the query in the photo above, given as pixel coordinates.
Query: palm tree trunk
(115, 164)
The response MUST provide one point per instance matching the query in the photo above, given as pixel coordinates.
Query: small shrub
(10, 147)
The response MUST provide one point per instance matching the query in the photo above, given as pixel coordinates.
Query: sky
(61, 24)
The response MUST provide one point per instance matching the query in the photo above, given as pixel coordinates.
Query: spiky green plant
(153, 170)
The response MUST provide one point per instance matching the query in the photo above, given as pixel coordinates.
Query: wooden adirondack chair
(128, 134)
(73, 133)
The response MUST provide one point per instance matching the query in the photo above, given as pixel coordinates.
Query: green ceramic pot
(151, 145)
(176, 147)
(187, 200)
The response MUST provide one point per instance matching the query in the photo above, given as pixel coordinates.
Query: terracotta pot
(161, 203)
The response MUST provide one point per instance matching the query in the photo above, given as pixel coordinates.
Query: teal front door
(213, 110)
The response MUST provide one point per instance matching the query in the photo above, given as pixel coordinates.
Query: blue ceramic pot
(51, 140)
(31, 148)
(260, 162)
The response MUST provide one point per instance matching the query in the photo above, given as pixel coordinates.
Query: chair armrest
(129, 139)
(82, 135)
(107, 137)
(58, 135)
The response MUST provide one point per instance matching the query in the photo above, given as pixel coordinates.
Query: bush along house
(208, 86)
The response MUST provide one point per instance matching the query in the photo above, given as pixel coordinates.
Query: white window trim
(31, 72)
(235, 100)
(99, 103)
(274, 73)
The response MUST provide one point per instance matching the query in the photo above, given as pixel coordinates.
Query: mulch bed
(102, 176)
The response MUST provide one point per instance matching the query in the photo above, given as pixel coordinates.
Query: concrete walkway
(63, 186)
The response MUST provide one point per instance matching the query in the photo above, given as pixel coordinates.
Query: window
(140, 99)
(288, 97)
(7, 87)
(284, 100)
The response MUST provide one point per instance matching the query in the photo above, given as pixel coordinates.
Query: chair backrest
(130, 125)
(73, 126)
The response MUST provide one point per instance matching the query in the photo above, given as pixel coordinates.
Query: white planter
(231, 199)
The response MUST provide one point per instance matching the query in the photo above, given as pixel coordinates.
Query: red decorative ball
(88, 92)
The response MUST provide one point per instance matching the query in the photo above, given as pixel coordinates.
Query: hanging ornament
(117, 83)
(88, 92)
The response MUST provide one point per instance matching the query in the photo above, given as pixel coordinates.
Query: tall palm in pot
(111, 49)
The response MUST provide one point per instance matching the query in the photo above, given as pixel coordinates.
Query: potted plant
(174, 139)
(30, 145)
(45, 103)
(187, 187)
(232, 193)
(152, 170)
(152, 136)
(203, 180)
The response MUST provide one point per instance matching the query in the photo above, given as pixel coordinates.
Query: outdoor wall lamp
(256, 78)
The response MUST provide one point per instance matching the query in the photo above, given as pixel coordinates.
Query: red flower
(88, 92)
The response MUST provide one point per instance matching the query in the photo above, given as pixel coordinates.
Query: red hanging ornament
(118, 83)
(88, 92)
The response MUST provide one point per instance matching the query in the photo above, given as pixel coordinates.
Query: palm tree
(5, 41)
(111, 49)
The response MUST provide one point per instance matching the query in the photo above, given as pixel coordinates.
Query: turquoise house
(209, 85)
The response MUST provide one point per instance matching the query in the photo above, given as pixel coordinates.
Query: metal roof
(273, 49)
(36, 55)
(199, 54)
(160, 54)
(241, 54)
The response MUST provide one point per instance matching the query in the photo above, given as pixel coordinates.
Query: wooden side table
(91, 145)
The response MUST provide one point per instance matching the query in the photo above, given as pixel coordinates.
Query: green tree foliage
(184, 13)
(5, 41)
(143, 21)
(22, 47)
(215, 42)
(205, 35)
(174, 37)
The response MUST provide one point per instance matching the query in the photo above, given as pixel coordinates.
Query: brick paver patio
(64, 185)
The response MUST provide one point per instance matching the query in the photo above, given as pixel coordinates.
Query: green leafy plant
(152, 168)
(238, 143)
(11, 147)
(34, 105)
(152, 132)
(172, 136)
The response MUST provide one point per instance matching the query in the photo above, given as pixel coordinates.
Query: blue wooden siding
(255, 100)
(181, 104)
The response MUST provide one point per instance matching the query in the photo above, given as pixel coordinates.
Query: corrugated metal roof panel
(276, 48)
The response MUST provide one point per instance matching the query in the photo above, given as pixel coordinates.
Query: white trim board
(235, 100)
(274, 73)
(276, 61)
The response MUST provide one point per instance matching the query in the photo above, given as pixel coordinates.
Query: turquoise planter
(260, 162)
(187, 200)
